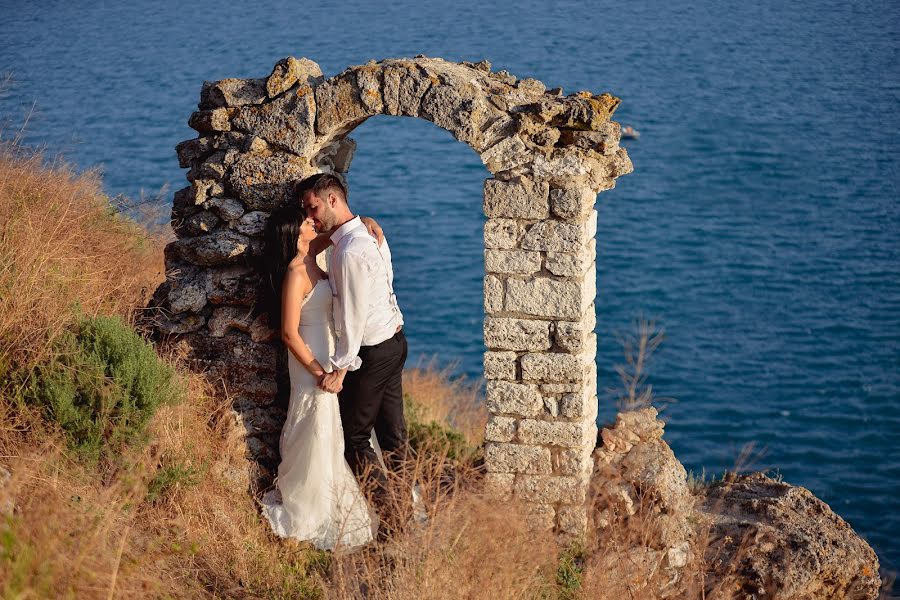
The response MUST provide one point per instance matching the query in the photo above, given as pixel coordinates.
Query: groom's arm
(352, 278)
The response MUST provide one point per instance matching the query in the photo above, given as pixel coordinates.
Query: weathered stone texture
(519, 200)
(500, 429)
(516, 334)
(290, 71)
(512, 261)
(542, 297)
(502, 234)
(232, 93)
(548, 489)
(516, 458)
(513, 398)
(556, 433)
(493, 294)
(500, 365)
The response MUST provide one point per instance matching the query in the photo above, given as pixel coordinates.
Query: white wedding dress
(317, 497)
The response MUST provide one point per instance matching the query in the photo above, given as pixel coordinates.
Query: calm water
(760, 227)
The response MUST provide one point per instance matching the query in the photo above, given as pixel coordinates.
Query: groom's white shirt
(362, 283)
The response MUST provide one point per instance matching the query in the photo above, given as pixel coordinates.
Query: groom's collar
(338, 234)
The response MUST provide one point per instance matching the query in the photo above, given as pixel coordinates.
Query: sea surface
(760, 227)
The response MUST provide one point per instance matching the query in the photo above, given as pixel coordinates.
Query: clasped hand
(331, 382)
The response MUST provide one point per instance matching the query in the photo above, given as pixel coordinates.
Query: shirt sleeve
(352, 282)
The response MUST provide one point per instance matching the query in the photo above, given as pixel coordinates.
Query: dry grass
(447, 399)
(63, 245)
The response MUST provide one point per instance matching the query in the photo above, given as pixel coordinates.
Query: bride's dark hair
(282, 232)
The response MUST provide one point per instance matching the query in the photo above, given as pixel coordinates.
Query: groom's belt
(397, 334)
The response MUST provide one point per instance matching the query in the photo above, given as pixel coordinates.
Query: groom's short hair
(319, 184)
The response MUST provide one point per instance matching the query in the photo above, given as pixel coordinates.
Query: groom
(367, 366)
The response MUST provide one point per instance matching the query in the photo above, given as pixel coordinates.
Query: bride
(317, 497)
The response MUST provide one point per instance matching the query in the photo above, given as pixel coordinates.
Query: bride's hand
(374, 228)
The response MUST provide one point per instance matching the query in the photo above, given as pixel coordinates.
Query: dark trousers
(372, 397)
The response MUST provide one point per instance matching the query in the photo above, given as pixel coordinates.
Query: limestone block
(336, 157)
(289, 71)
(228, 209)
(287, 122)
(548, 367)
(572, 336)
(570, 167)
(585, 111)
(515, 458)
(521, 199)
(197, 224)
(260, 331)
(579, 405)
(512, 261)
(195, 150)
(500, 365)
(572, 204)
(493, 294)
(404, 86)
(506, 154)
(266, 183)
(369, 80)
(557, 236)
(210, 121)
(203, 189)
(604, 141)
(179, 324)
(572, 520)
(229, 317)
(211, 168)
(232, 93)
(516, 334)
(500, 429)
(543, 297)
(499, 484)
(495, 130)
(539, 516)
(502, 234)
(621, 165)
(187, 292)
(551, 405)
(232, 285)
(515, 399)
(221, 247)
(572, 264)
(340, 105)
(574, 461)
(547, 489)
(457, 105)
(252, 223)
(557, 433)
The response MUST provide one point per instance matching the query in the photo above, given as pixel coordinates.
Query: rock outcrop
(748, 536)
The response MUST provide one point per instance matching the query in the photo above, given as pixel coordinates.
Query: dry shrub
(63, 245)
(471, 546)
(100, 533)
(442, 398)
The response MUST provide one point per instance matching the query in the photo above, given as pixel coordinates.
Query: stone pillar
(539, 290)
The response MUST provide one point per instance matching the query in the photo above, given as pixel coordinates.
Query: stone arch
(549, 156)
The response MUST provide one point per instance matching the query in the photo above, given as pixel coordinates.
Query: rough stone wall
(549, 156)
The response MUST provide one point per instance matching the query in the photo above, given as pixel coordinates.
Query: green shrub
(169, 476)
(103, 386)
(434, 436)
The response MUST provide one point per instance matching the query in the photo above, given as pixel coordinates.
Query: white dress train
(317, 497)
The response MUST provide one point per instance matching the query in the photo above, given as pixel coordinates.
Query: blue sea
(760, 227)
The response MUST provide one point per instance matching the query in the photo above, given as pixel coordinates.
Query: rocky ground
(746, 536)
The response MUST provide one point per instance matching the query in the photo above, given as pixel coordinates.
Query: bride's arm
(323, 240)
(296, 286)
